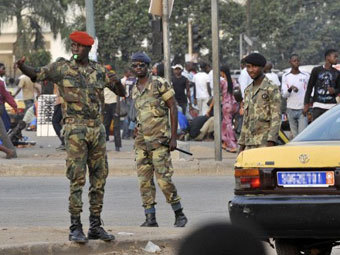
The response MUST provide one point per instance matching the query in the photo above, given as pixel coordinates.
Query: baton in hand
(177, 149)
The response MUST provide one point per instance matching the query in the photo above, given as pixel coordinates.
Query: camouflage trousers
(158, 162)
(86, 146)
(248, 147)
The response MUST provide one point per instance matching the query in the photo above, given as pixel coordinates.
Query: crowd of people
(303, 94)
(157, 112)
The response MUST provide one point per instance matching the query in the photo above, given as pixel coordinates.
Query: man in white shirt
(294, 86)
(270, 75)
(244, 81)
(187, 72)
(29, 89)
(202, 91)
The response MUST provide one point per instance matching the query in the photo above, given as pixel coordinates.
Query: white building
(8, 37)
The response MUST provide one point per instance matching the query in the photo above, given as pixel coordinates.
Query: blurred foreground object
(221, 238)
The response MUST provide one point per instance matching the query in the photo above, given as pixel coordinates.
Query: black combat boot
(96, 231)
(76, 231)
(180, 219)
(150, 220)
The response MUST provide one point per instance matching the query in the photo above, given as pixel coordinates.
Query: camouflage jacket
(81, 87)
(262, 114)
(152, 113)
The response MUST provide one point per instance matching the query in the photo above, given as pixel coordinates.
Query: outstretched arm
(115, 85)
(25, 69)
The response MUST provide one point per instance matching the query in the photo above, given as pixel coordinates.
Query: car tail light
(247, 178)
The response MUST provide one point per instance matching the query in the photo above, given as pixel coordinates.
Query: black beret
(142, 57)
(255, 59)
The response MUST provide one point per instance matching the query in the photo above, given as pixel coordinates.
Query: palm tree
(30, 16)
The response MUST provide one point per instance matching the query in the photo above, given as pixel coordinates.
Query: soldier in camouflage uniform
(262, 112)
(81, 84)
(154, 139)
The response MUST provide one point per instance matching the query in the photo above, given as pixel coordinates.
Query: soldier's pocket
(72, 93)
(262, 125)
(102, 133)
(74, 137)
(157, 109)
(162, 160)
(75, 170)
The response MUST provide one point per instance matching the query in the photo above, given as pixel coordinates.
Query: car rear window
(324, 128)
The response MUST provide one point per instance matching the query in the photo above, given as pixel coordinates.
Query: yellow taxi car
(292, 192)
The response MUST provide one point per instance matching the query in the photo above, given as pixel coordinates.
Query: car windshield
(324, 128)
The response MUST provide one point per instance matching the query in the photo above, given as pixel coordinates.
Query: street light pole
(248, 25)
(90, 29)
(216, 78)
(166, 42)
(241, 46)
(190, 37)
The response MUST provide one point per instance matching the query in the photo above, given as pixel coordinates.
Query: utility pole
(166, 42)
(190, 37)
(241, 46)
(216, 73)
(90, 28)
(248, 25)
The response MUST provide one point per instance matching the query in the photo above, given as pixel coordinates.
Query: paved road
(36, 201)
(42, 201)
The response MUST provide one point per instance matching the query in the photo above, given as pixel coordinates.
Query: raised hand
(20, 62)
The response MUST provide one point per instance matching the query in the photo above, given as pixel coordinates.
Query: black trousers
(56, 121)
(317, 112)
(184, 107)
(3, 133)
(109, 115)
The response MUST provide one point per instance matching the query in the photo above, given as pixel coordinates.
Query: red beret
(82, 38)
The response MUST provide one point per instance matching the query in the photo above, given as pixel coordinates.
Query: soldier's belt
(89, 122)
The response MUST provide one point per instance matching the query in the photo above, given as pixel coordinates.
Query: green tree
(38, 57)
(30, 16)
(121, 27)
(232, 19)
(294, 26)
(280, 28)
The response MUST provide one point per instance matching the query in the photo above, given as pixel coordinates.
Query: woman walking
(229, 108)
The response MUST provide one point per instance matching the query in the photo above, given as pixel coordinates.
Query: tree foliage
(278, 27)
(30, 17)
(305, 27)
(121, 27)
(38, 57)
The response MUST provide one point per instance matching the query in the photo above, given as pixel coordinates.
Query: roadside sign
(156, 7)
(248, 40)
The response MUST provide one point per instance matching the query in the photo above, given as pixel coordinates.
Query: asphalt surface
(30, 205)
(43, 201)
(43, 159)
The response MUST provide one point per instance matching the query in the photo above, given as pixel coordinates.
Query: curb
(92, 247)
(181, 168)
